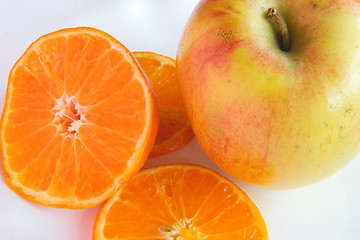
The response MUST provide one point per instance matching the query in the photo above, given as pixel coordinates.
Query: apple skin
(268, 117)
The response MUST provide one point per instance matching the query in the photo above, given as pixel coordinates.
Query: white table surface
(328, 210)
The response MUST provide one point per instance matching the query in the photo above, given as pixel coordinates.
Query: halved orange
(183, 202)
(79, 119)
(174, 130)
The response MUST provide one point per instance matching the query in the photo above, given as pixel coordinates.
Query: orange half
(174, 130)
(79, 119)
(184, 202)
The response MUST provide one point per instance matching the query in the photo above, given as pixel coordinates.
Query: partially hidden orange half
(79, 119)
(174, 130)
(182, 202)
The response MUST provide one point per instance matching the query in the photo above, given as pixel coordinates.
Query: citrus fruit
(79, 119)
(182, 202)
(174, 130)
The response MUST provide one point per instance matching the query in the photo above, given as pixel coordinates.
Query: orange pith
(179, 202)
(174, 130)
(79, 119)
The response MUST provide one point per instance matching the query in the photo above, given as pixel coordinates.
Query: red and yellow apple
(277, 118)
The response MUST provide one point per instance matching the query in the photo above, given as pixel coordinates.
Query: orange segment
(25, 95)
(175, 130)
(65, 175)
(179, 201)
(79, 119)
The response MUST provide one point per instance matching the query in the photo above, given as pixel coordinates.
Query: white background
(328, 210)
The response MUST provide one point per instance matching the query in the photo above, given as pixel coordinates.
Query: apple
(272, 88)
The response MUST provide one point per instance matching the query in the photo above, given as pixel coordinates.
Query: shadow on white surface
(86, 223)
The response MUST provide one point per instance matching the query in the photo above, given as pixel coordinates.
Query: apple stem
(284, 40)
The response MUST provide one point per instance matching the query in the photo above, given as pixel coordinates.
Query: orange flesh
(77, 119)
(174, 130)
(179, 202)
